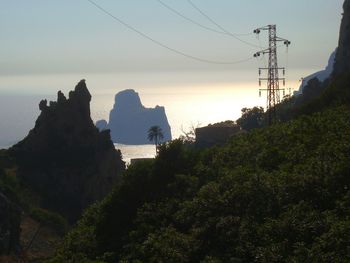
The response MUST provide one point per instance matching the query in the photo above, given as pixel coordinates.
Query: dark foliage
(10, 213)
(251, 118)
(278, 194)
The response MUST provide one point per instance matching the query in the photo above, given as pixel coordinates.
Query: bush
(50, 219)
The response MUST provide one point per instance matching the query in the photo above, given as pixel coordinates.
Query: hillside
(270, 194)
(63, 165)
(274, 194)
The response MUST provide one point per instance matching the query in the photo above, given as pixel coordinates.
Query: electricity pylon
(273, 81)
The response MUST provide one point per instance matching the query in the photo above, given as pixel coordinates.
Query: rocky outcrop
(342, 58)
(320, 75)
(129, 120)
(10, 218)
(65, 158)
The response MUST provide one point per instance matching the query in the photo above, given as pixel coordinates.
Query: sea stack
(129, 120)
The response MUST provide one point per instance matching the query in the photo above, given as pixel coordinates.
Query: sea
(191, 99)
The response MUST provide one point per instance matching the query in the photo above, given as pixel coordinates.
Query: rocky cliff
(342, 58)
(129, 120)
(65, 158)
(320, 75)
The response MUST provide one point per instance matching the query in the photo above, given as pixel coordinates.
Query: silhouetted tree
(251, 118)
(155, 134)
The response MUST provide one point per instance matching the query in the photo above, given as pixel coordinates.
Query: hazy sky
(49, 45)
(65, 36)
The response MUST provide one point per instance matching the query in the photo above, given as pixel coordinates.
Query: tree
(155, 134)
(251, 118)
(190, 135)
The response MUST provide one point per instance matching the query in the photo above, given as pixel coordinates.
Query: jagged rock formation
(342, 58)
(65, 158)
(10, 218)
(129, 120)
(320, 75)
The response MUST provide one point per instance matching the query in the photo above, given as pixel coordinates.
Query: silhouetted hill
(278, 194)
(216, 134)
(65, 158)
(129, 120)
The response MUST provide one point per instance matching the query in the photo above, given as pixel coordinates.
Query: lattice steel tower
(273, 81)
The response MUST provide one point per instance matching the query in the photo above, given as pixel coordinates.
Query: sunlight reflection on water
(135, 151)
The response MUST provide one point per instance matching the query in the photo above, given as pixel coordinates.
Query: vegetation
(317, 96)
(50, 219)
(155, 134)
(275, 194)
(251, 118)
(278, 194)
(20, 214)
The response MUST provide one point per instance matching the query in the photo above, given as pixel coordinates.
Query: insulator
(259, 83)
(259, 72)
(284, 72)
(287, 43)
(259, 93)
(284, 82)
(284, 93)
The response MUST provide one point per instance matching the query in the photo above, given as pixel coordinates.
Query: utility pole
(273, 80)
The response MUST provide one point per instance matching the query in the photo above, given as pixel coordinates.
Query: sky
(49, 45)
(65, 36)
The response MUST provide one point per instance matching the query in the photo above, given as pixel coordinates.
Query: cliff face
(65, 158)
(320, 75)
(129, 120)
(342, 59)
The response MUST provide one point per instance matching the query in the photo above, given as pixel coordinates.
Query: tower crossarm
(273, 80)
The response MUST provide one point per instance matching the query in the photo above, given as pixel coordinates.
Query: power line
(163, 45)
(220, 27)
(195, 22)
